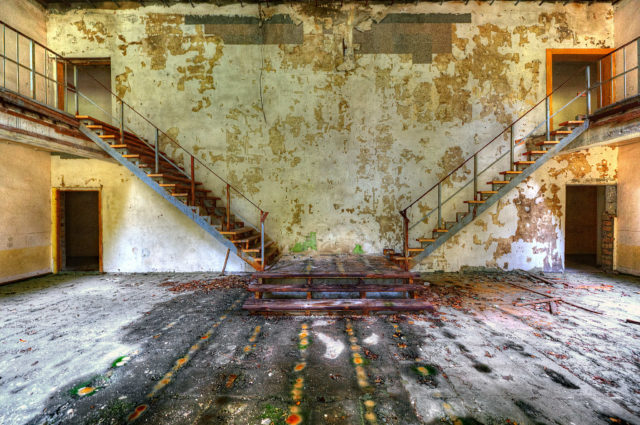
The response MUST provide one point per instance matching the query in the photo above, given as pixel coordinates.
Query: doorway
(94, 84)
(583, 236)
(568, 65)
(79, 235)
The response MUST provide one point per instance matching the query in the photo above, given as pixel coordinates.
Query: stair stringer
(185, 209)
(502, 192)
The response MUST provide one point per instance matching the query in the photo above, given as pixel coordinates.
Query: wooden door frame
(578, 55)
(55, 225)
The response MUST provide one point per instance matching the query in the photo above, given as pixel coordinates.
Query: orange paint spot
(85, 390)
(204, 337)
(357, 360)
(181, 361)
(299, 367)
(293, 419)
(136, 413)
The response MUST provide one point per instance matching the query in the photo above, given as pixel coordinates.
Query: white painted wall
(141, 231)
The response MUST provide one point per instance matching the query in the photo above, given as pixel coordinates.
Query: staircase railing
(469, 171)
(32, 70)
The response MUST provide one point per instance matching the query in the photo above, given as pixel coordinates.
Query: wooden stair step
(475, 201)
(168, 176)
(510, 172)
(534, 153)
(335, 288)
(272, 253)
(238, 231)
(253, 304)
(184, 187)
(524, 162)
(547, 142)
(440, 230)
(247, 239)
(179, 195)
(571, 123)
(555, 132)
(258, 249)
(498, 182)
(416, 249)
(426, 240)
(487, 192)
(131, 155)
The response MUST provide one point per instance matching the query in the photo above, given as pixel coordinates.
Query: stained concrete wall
(627, 24)
(334, 138)
(141, 231)
(25, 215)
(627, 244)
(627, 27)
(25, 189)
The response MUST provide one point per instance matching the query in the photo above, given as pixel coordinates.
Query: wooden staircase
(179, 187)
(336, 283)
(483, 199)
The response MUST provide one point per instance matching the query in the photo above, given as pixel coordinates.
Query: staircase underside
(478, 209)
(190, 211)
(340, 282)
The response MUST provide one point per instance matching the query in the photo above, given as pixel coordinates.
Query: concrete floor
(94, 349)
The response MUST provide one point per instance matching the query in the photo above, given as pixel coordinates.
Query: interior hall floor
(178, 349)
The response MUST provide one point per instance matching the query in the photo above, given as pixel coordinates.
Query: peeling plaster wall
(627, 24)
(332, 141)
(525, 229)
(25, 195)
(141, 232)
(628, 223)
(25, 212)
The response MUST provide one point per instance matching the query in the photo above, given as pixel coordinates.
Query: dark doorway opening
(583, 238)
(79, 230)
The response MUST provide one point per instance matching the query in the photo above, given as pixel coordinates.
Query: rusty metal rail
(52, 81)
(621, 79)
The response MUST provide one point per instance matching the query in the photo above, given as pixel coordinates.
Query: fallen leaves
(223, 282)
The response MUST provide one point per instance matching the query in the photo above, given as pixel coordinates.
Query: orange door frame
(581, 55)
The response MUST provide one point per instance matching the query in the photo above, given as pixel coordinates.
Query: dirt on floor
(179, 349)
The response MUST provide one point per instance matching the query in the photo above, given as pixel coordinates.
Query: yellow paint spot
(304, 341)
(369, 403)
(370, 416)
(304, 326)
(303, 334)
(247, 349)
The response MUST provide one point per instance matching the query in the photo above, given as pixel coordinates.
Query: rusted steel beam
(193, 181)
(550, 296)
(224, 266)
(337, 305)
(546, 300)
(336, 288)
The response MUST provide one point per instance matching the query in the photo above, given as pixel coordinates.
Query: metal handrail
(598, 85)
(547, 122)
(72, 88)
(68, 87)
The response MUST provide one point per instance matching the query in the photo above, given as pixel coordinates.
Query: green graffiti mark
(120, 361)
(358, 249)
(276, 414)
(309, 243)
